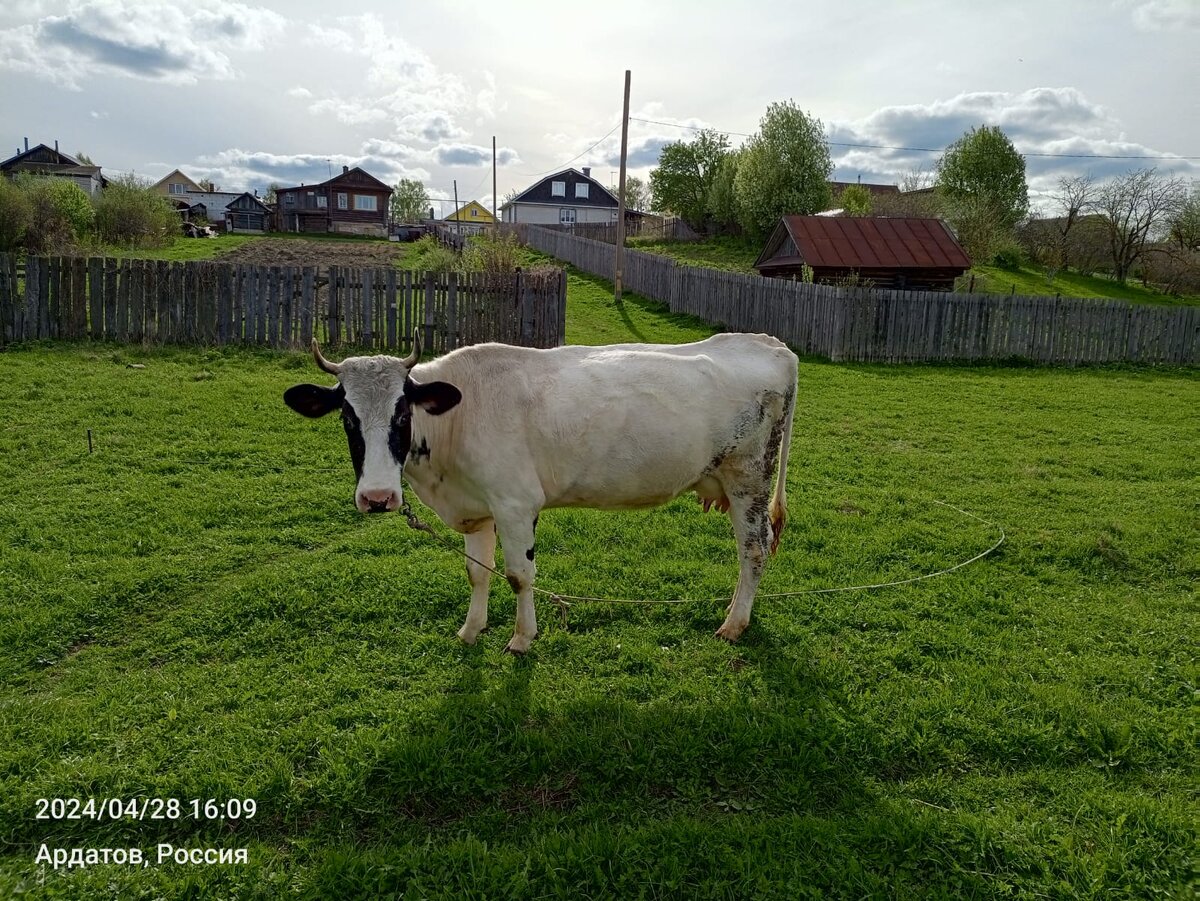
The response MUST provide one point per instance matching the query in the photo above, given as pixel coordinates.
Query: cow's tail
(778, 508)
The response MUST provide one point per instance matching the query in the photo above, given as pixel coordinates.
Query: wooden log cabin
(354, 202)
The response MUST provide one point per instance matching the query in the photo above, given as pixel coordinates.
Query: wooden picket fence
(152, 301)
(874, 325)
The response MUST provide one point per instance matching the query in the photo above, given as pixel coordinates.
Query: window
(566, 217)
(474, 213)
(364, 202)
(581, 190)
(176, 188)
(322, 202)
(558, 189)
(341, 200)
(289, 199)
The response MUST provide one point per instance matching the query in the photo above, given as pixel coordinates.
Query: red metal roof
(866, 242)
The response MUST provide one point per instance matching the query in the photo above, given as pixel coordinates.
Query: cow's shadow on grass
(495, 750)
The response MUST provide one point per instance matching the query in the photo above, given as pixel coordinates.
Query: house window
(566, 217)
(289, 199)
(474, 214)
(322, 202)
(341, 200)
(364, 202)
(176, 188)
(558, 189)
(581, 190)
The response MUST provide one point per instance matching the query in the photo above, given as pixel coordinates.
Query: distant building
(354, 202)
(907, 254)
(50, 161)
(564, 198)
(175, 184)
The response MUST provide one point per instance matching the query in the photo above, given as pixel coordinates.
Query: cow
(490, 435)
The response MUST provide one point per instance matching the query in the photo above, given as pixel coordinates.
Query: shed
(909, 254)
(246, 213)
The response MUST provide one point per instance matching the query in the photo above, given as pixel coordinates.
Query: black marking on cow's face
(400, 431)
(354, 435)
(415, 455)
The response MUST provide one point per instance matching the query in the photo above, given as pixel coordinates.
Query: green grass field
(195, 610)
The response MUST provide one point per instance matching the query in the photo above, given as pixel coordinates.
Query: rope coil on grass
(563, 601)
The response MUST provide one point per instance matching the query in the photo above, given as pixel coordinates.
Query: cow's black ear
(435, 398)
(313, 400)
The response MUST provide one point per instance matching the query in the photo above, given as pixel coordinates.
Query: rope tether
(563, 601)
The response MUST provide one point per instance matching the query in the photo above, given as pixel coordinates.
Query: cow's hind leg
(481, 545)
(517, 538)
(752, 529)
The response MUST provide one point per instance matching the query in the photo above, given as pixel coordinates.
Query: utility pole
(457, 220)
(495, 209)
(620, 260)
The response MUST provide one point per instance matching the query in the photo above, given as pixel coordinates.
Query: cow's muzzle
(378, 501)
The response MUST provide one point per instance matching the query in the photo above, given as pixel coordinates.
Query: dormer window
(581, 190)
(558, 189)
(175, 188)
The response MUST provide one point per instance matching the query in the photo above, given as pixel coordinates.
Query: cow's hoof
(519, 644)
(731, 632)
(470, 634)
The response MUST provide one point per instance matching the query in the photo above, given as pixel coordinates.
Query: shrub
(129, 214)
(61, 214)
(16, 213)
(1008, 255)
(492, 255)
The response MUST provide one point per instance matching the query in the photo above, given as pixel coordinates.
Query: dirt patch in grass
(315, 252)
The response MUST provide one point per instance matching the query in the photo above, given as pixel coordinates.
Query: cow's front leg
(516, 536)
(481, 545)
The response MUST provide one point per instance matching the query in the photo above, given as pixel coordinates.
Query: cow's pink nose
(379, 501)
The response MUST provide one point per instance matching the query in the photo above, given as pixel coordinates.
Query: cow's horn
(322, 363)
(411, 360)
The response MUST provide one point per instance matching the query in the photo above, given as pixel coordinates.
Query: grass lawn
(195, 610)
(721, 252)
(183, 249)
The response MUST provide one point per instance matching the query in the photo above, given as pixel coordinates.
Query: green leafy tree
(722, 196)
(983, 169)
(637, 193)
(60, 213)
(410, 201)
(272, 195)
(784, 169)
(1185, 226)
(130, 214)
(84, 159)
(855, 200)
(681, 182)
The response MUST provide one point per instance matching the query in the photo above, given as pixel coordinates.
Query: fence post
(430, 287)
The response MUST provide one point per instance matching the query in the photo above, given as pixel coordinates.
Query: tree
(722, 196)
(272, 195)
(410, 201)
(16, 212)
(681, 182)
(1185, 224)
(1133, 206)
(206, 184)
(918, 197)
(84, 159)
(983, 169)
(855, 200)
(784, 169)
(1072, 200)
(637, 193)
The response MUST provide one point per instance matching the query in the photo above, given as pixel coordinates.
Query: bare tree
(917, 198)
(1073, 199)
(1132, 206)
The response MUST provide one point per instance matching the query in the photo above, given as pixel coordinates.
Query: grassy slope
(195, 610)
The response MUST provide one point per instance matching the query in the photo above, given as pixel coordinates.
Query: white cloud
(1164, 15)
(157, 40)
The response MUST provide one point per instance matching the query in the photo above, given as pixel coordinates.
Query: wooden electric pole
(620, 260)
(495, 209)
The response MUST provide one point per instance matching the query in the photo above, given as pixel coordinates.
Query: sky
(249, 94)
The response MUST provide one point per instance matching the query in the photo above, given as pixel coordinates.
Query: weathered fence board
(895, 326)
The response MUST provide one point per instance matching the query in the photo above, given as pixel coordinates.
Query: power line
(572, 159)
(1074, 156)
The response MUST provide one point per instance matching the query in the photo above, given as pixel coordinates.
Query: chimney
(27, 145)
(56, 146)
(345, 169)
(587, 171)
(860, 178)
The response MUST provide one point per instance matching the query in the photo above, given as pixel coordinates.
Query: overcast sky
(253, 93)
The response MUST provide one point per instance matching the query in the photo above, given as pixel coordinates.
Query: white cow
(490, 435)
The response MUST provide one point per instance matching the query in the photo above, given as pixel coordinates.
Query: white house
(564, 198)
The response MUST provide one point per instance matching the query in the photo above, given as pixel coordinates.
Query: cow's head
(377, 396)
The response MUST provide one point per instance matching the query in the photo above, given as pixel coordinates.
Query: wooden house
(470, 219)
(50, 161)
(564, 198)
(908, 254)
(354, 202)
